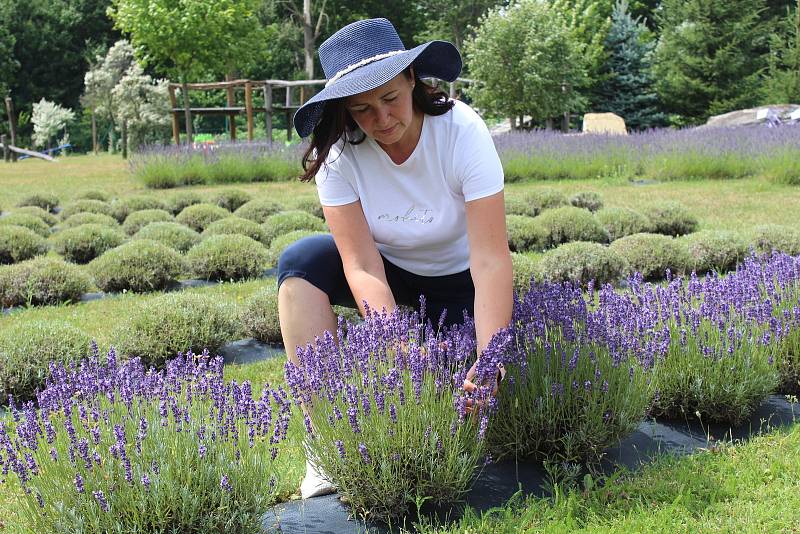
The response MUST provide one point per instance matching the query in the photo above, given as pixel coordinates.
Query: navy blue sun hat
(367, 54)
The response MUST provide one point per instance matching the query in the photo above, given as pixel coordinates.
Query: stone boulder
(604, 123)
(778, 113)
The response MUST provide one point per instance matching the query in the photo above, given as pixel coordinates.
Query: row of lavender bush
(383, 407)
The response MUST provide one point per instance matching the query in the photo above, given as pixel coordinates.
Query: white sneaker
(315, 482)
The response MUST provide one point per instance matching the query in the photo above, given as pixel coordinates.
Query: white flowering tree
(48, 120)
(142, 106)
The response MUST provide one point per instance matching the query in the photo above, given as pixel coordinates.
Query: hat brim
(434, 59)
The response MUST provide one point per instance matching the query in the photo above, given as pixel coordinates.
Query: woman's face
(386, 113)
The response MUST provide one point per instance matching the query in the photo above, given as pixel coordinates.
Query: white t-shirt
(415, 210)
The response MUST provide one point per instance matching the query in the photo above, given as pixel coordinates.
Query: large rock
(759, 115)
(604, 123)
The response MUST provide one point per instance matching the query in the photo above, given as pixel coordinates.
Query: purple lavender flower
(79, 483)
(101, 500)
(225, 483)
(362, 449)
(340, 447)
(146, 481)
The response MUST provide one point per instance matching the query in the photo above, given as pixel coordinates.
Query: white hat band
(361, 63)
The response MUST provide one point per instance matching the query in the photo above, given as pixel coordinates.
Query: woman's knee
(306, 255)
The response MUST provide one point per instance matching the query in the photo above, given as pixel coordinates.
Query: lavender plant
(386, 414)
(121, 448)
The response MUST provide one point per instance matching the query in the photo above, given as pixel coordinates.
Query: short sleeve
(333, 187)
(476, 162)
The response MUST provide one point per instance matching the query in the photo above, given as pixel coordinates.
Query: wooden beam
(288, 113)
(6, 151)
(248, 104)
(12, 124)
(31, 153)
(176, 126)
(268, 109)
(94, 133)
(231, 100)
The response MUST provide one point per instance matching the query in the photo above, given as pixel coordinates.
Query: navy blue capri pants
(317, 260)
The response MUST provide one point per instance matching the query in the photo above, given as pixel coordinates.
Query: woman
(412, 191)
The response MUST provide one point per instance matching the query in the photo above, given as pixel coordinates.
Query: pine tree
(627, 88)
(782, 85)
(709, 59)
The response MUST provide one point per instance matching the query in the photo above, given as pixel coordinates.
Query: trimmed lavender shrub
(258, 210)
(279, 244)
(180, 200)
(571, 224)
(234, 225)
(714, 250)
(652, 255)
(582, 262)
(588, 200)
(231, 199)
(86, 242)
(526, 233)
(198, 216)
(31, 222)
(288, 221)
(519, 206)
(42, 200)
(775, 237)
(86, 206)
(227, 257)
(18, 243)
(670, 218)
(545, 198)
(171, 234)
(524, 268)
(121, 448)
(139, 219)
(92, 194)
(41, 281)
(27, 348)
(386, 411)
(140, 265)
(176, 322)
(620, 222)
(88, 218)
(309, 205)
(122, 207)
(46, 217)
(572, 387)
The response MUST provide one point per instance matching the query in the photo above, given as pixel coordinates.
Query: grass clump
(171, 234)
(140, 265)
(588, 200)
(199, 216)
(279, 244)
(288, 221)
(46, 217)
(258, 210)
(766, 238)
(526, 233)
(620, 222)
(180, 200)
(86, 206)
(227, 257)
(231, 199)
(670, 218)
(89, 218)
(571, 224)
(175, 322)
(41, 200)
(711, 250)
(42, 281)
(122, 207)
(234, 225)
(26, 350)
(581, 262)
(31, 222)
(139, 219)
(18, 243)
(652, 255)
(84, 243)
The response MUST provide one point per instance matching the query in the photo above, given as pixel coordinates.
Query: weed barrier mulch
(499, 481)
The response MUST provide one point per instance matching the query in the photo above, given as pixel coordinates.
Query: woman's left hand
(471, 387)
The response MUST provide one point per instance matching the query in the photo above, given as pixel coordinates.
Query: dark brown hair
(336, 123)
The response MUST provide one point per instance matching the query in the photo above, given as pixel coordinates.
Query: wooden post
(6, 154)
(187, 112)
(452, 90)
(176, 126)
(268, 110)
(94, 133)
(124, 139)
(288, 113)
(248, 107)
(231, 102)
(12, 125)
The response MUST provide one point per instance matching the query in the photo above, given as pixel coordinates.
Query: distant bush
(589, 200)
(122, 207)
(279, 244)
(519, 206)
(581, 261)
(18, 243)
(139, 265)
(309, 205)
(524, 269)
(171, 234)
(199, 216)
(46, 217)
(711, 250)
(227, 257)
(31, 222)
(652, 254)
(526, 234)
(287, 221)
(84, 243)
(545, 198)
(86, 206)
(259, 316)
(41, 281)
(236, 226)
(89, 218)
(92, 194)
(26, 350)
(42, 200)
(768, 237)
(620, 222)
(670, 218)
(571, 224)
(258, 210)
(175, 322)
(231, 199)
(180, 200)
(139, 219)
